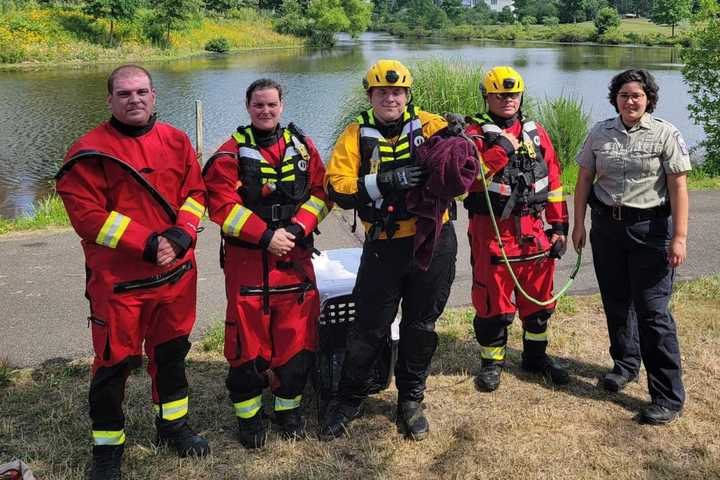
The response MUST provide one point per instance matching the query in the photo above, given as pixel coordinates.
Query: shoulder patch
(681, 142)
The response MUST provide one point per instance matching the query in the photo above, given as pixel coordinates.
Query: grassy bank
(526, 429)
(54, 36)
(631, 31)
(46, 213)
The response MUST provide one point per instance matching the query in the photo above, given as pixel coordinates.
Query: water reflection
(44, 111)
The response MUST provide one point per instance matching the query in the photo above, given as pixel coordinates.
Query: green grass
(48, 212)
(213, 338)
(53, 35)
(5, 373)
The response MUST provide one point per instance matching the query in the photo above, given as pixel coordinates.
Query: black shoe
(411, 420)
(291, 423)
(106, 462)
(548, 367)
(614, 382)
(251, 431)
(488, 380)
(178, 435)
(338, 417)
(655, 414)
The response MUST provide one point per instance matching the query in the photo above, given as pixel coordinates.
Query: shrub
(567, 124)
(218, 44)
(607, 19)
(528, 20)
(612, 37)
(573, 34)
(550, 21)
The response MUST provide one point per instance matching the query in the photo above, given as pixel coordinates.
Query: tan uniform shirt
(629, 166)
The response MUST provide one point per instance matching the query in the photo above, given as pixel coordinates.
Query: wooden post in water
(199, 134)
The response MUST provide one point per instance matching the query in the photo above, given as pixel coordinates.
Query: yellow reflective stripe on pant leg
(492, 353)
(173, 410)
(248, 408)
(536, 337)
(287, 403)
(108, 437)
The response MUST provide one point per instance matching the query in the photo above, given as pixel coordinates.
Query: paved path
(44, 311)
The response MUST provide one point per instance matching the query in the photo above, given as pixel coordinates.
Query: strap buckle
(616, 213)
(275, 212)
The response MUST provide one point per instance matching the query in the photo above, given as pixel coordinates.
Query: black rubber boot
(291, 423)
(106, 462)
(337, 420)
(251, 431)
(548, 367)
(488, 379)
(178, 435)
(411, 420)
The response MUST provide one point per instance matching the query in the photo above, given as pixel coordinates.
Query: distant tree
(572, 10)
(112, 10)
(550, 21)
(291, 19)
(172, 13)
(480, 14)
(506, 15)
(454, 9)
(528, 20)
(702, 74)
(359, 12)
(670, 12)
(424, 14)
(223, 6)
(593, 7)
(606, 19)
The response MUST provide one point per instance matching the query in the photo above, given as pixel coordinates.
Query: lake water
(43, 112)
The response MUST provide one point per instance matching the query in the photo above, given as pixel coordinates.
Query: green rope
(507, 262)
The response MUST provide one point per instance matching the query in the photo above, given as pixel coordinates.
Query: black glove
(151, 248)
(456, 123)
(296, 230)
(180, 238)
(402, 178)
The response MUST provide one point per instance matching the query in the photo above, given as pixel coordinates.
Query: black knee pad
(247, 380)
(492, 331)
(293, 375)
(170, 360)
(538, 321)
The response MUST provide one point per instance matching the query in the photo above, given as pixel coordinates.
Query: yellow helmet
(502, 80)
(387, 73)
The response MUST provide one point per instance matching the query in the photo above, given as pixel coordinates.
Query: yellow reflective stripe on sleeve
(112, 230)
(316, 206)
(108, 437)
(492, 353)
(555, 196)
(235, 220)
(287, 403)
(536, 337)
(248, 408)
(172, 410)
(194, 207)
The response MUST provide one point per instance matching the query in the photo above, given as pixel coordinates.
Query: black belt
(170, 276)
(619, 213)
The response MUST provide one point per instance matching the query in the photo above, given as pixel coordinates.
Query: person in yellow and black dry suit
(372, 167)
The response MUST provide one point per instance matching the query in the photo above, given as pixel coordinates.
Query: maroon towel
(453, 166)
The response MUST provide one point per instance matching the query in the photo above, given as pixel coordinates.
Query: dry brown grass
(527, 429)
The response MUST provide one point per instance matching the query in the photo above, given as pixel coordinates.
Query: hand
(561, 241)
(677, 253)
(281, 243)
(166, 252)
(578, 236)
(402, 178)
(511, 138)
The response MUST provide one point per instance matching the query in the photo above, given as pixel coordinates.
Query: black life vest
(522, 186)
(273, 193)
(378, 155)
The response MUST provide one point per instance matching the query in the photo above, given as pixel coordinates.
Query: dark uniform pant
(635, 283)
(388, 276)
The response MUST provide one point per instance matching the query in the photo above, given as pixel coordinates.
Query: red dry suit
(522, 185)
(122, 186)
(258, 182)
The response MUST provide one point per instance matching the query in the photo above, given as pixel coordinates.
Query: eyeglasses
(507, 96)
(635, 97)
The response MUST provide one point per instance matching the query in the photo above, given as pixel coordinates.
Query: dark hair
(646, 81)
(262, 84)
(123, 70)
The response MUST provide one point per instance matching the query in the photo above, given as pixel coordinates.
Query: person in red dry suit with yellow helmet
(265, 191)
(523, 176)
(133, 191)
